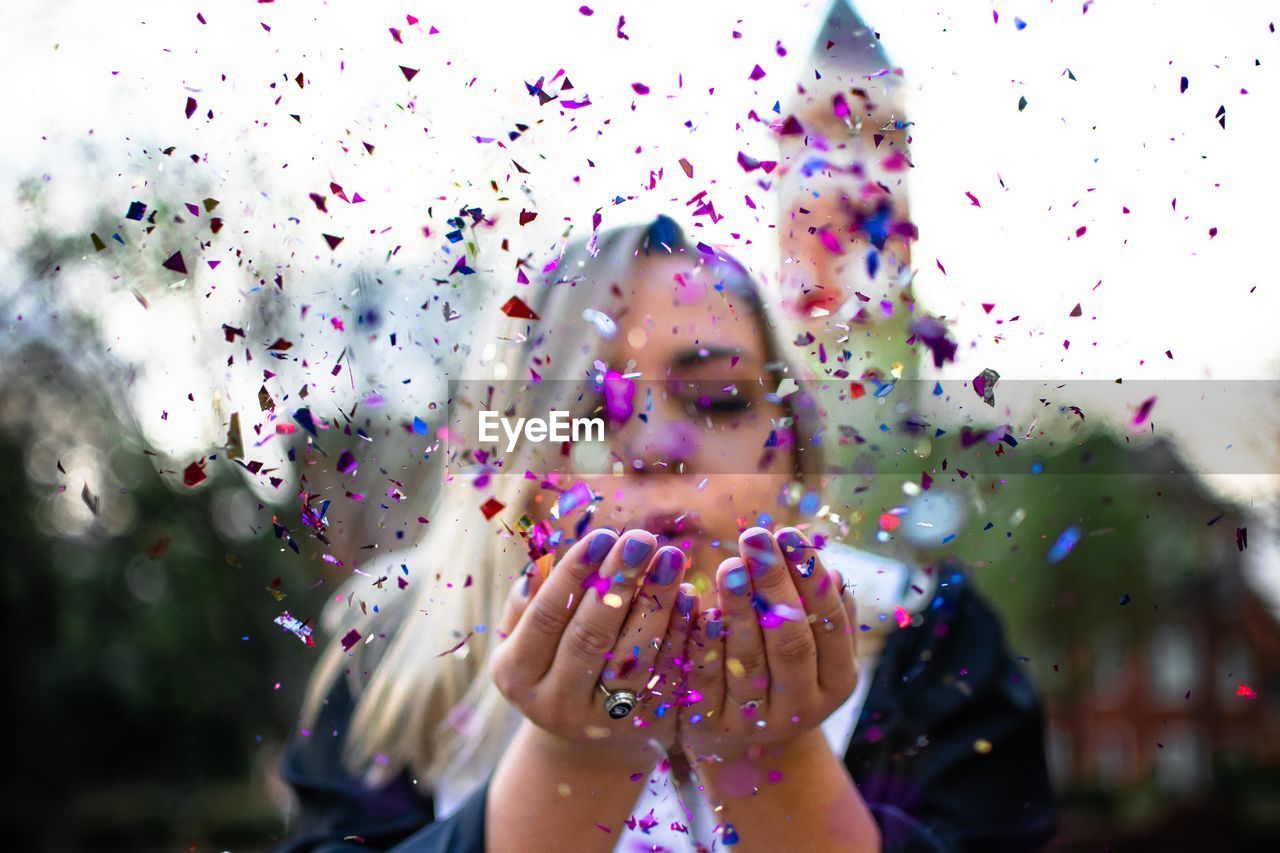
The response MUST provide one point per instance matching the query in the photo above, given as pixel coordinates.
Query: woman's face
(693, 464)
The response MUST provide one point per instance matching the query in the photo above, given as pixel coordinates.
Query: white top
(675, 818)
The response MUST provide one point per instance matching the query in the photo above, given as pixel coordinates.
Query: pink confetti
(1144, 411)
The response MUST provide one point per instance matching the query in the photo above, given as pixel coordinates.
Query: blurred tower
(846, 235)
(846, 230)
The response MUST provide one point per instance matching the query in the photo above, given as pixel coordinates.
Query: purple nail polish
(715, 624)
(667, 566)
(737, 581)
(635, 552)
(792, 545)
(599, 547)
(757, 550)
(685, 599)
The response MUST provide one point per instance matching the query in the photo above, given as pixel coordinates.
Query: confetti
(193, 474)
(984, 384)
(1143, 413)
(298, 628)
(1066, 542)
(602, 322)
(516, 307)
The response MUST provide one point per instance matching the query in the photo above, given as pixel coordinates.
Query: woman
(663, 652)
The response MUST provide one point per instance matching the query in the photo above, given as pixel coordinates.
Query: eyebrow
(689, 357)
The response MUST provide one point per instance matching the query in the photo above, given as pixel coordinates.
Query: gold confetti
(544, 565)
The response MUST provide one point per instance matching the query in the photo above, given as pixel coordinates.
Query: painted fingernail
(685, 599)
(757, 550)
(599, 547)
(715, 624)
(792, 545)
(667, 566)
(737, 580)
(635, 552)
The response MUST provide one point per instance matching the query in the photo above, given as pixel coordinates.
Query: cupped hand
(776, 658)
(612, 611)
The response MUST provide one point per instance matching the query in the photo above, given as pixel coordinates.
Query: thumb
(518, 598)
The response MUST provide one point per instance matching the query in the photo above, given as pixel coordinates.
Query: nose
(657, 444)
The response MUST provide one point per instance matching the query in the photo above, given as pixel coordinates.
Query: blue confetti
(1067, 541)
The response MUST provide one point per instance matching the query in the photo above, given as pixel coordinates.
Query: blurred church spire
(843, 139)
(846, 239)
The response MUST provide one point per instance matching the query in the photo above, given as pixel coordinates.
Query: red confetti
(492, 507)
(194, 474)
(516, 307)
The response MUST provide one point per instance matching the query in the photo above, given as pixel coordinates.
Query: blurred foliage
(147, 662)
(1144, 537)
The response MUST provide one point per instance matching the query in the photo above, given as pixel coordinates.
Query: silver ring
(618, 703)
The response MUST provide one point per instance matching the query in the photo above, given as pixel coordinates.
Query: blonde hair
(419, 706)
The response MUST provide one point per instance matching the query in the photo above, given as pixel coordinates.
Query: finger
(821, 591)
(645, 627)
(670, 668)
(746, 666)
(788, 639)
(704, 687)
(593, 631)
(537, 635)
